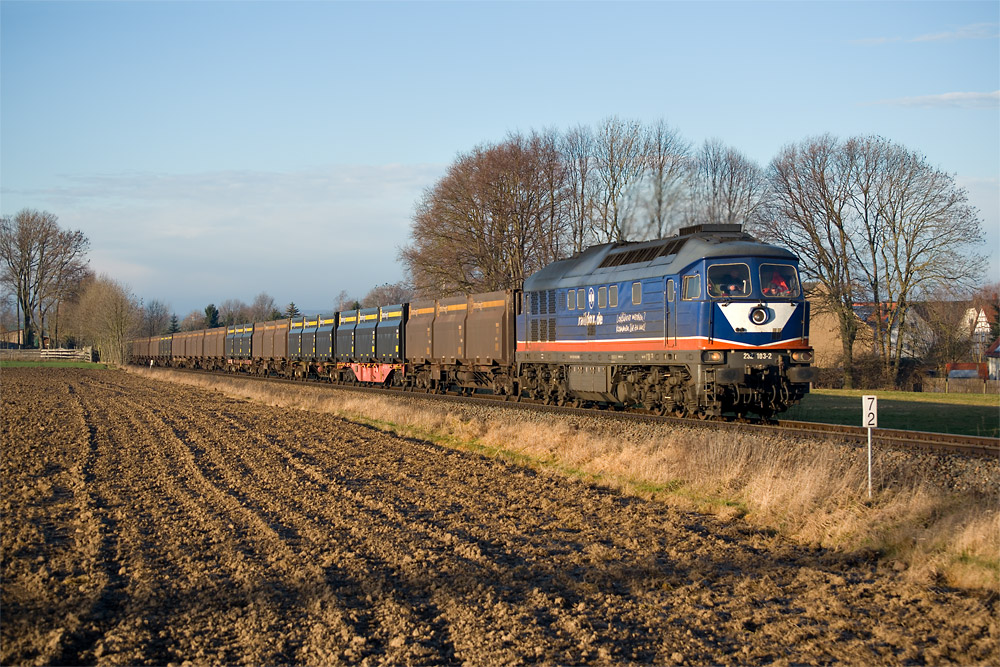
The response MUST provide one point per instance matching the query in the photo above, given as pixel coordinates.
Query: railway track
(935, 442)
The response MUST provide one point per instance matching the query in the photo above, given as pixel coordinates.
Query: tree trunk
(848, 335)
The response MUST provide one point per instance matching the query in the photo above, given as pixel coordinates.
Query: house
(11, 339)
(824, 332)
(993, 360)
(981, 321)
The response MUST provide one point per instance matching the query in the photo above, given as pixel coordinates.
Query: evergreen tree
(292, 310)
(175, 325)
(211, 316)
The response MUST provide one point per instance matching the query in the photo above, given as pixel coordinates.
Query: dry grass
(808, 491)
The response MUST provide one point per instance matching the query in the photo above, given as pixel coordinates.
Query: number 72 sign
(869, 411)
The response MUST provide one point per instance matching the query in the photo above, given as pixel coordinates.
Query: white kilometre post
(869, 419)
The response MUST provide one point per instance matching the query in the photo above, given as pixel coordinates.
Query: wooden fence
(84, 354)
(958, 386)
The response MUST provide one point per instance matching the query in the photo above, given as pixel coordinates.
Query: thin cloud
(947, 101)
(972, 31)
(189, 239)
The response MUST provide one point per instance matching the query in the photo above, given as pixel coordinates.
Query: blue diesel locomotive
(710, 321)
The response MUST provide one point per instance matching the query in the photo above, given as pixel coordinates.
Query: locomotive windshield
(779, 280)
(729, 280)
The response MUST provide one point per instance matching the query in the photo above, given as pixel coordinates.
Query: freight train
(705, 323)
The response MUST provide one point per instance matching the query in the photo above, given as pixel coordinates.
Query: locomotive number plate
(758, 356)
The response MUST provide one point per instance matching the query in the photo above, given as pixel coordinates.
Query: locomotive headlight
(713, 357)
(759, 315)
(802, 356)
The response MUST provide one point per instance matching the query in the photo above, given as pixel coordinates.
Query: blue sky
(215, 150)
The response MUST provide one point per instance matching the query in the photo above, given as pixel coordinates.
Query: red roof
(994, 349)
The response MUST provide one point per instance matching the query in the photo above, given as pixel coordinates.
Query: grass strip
(53, 364)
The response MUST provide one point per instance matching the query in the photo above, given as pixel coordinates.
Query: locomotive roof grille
(644, 254)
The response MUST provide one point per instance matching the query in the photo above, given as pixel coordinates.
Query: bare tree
(577, 150)
(551, 226)
(728, 187)
(107, 316)
(620, 159)
(263, 309)
(808, 212)
(233, 311)
(344, 301)
(155, 318)
(41, 264)
(491, 221)
(942, 334)
(193, 321)
(872, 220)
(387, 294)
(666, 186)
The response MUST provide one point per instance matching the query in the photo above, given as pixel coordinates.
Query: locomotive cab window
(602, 297)
(670, 290)
(636, 294)
(581, 299)
(779, 280)
(728, 280)
(691, 287)
(571, 299)
(613, 296)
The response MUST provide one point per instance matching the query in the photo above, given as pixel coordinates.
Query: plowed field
(152, 523)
